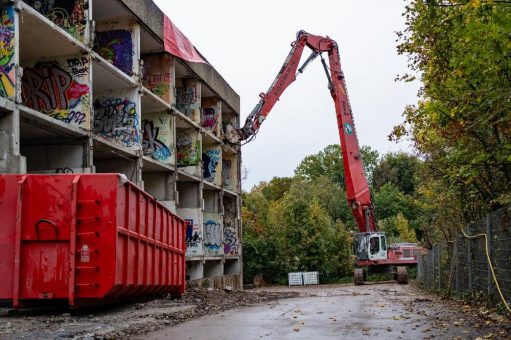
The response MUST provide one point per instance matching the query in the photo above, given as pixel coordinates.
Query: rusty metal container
(86, 239)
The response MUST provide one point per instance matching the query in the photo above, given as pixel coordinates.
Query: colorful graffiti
(116, 119)
(188, 150)
(210, 162)
(193, 235)
(68, 14)
(64, 170)
(159, 89)
(116, 46)
(226, 172)
(157, 76)
(7, 44)
(59, 88)
(231, 238)
(212, 238)
(209, 118)
(188, 99)
(230, 241)
(156, 138)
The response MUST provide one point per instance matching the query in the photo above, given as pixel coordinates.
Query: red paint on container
(86, 238)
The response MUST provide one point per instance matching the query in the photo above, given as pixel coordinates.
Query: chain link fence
(462, 265)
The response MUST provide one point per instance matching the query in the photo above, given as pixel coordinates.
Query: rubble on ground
(130, 319)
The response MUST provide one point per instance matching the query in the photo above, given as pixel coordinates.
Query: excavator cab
(370, 246)
(377, 247)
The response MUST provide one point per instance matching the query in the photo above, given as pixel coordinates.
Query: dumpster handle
(43, 220)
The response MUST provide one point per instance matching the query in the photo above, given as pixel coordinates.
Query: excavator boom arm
(357, 188)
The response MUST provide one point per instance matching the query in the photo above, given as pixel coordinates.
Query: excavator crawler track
(358, 276)
(402, 275)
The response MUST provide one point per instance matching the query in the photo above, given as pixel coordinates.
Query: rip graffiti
(51, 89)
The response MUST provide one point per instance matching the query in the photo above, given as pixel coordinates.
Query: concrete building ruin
(87, 87)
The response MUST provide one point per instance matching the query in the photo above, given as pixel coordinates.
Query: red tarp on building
(176, 43)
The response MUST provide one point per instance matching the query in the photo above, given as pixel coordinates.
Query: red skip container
(86, 238)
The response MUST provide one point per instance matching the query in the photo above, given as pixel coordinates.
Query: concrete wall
(234, 281)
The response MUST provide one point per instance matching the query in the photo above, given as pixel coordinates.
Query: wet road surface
(384, 311)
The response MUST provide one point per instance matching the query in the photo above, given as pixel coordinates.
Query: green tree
(400, 169)
(390, 201)
(398, 229)
(328, 162)
(276, 188)
(298, 228)
(329, 194)
(312, 240)
(462, 124)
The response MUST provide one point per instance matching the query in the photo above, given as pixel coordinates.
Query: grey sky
(247, 42)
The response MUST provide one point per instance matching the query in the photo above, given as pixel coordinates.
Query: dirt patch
(131, 319)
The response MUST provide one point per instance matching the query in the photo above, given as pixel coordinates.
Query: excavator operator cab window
(375, 245)
(383, 243)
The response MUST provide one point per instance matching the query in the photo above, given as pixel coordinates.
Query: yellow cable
(489, 264)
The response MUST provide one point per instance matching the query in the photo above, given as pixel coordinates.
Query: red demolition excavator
(369, 246)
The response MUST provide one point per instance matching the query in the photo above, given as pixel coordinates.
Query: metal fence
(462, 265)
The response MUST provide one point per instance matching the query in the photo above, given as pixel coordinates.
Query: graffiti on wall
(226, 172)
(212, 238)
(154, 143)
(159, 84)
(210, 162)
(116, 119)
(68, 14)
(209, 118)
(7, 44)
(59, 88)
(64, 170)
(231, 238)
(193, 235)
(188, 99)
(157, 76)
(188, 150)
(230, 241)
(116, 46)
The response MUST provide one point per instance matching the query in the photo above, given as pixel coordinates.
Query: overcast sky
(247, 42)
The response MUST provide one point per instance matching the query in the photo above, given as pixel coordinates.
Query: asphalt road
(384, 311)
